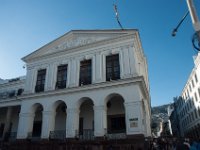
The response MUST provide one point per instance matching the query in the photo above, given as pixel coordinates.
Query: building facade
(187, 106)
(86, 84)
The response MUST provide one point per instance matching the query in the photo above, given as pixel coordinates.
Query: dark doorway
(37, 126)
(1, 129)
(80, 126)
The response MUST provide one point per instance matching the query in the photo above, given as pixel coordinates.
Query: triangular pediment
(76, 38)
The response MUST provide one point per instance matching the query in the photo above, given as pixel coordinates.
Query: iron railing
(57, 134)
(61, 84)
(86, 134)
(33, 137)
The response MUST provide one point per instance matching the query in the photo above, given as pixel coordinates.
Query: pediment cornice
(76, 40)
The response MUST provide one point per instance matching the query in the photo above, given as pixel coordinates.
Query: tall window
(40, 80)
(85, 72)
(192, 83)
(61, 77)
(196, 79)
(112, 67)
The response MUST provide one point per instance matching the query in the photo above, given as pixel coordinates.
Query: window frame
(112, 67)
(85, 73)
(62, 75)
(40, 81)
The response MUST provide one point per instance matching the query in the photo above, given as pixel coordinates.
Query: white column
(134, 118)
(7, 120)
(50, 77)
(48, 123)
(126, 62)
(132, 59)
(25, 125)
(74, 73)
(72, 122)
(93, 59)
(98, 68)
(100, 121)
(29, 83)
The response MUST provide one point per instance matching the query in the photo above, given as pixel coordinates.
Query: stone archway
(115, 114)
(59, 126)
(37, 109)
(86, 119)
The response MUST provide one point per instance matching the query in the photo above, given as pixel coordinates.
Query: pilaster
(48, 123)
(25, 125)
(29, 80)
(126, 62)
(50, 76)
(72, 122)
(98, 68)
(132, 57)
(74, 73)
(100, 121)
(134, 118)
(7, 121)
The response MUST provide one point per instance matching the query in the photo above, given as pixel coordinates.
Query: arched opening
(37, 122)
(86, 120)
(13, 124)
(115, 114)
(60, 121)
(9, 122)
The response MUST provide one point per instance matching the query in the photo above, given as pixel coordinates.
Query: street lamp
(176, 29)
(196, 24)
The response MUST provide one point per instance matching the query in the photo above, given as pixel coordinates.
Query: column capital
(26, 115)
(132, 103)
(99, 107)
(48, 112)
(73, 110)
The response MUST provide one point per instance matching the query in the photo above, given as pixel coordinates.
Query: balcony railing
(39, 88)
(61, 84)
(115, 134)
(86, 134)
(10, 136)
(58, 134)
(34, 137)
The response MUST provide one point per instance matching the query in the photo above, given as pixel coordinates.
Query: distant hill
(159, 115)
(159, 109)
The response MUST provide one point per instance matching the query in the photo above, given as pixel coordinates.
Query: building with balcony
(86, 84)
(187, 106)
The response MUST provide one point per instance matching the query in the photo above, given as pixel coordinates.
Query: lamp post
(195, 22)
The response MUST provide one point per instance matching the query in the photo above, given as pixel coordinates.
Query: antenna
(117, 15)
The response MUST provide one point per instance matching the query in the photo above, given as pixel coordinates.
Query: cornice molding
(100, 44)
(11, 84)
(118, 83)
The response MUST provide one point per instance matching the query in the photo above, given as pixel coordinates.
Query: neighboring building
(174, 119)
(188, 104)
(86, 84)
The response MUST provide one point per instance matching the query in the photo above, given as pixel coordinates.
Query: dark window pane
(85, 72)
(112, 67)
(61, 77)
(40, 80)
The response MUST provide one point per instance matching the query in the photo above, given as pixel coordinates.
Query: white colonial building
(85, 84)
(187, 106)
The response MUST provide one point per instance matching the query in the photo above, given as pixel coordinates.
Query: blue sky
(27, 25)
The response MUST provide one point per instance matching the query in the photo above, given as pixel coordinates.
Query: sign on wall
(133, 122)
